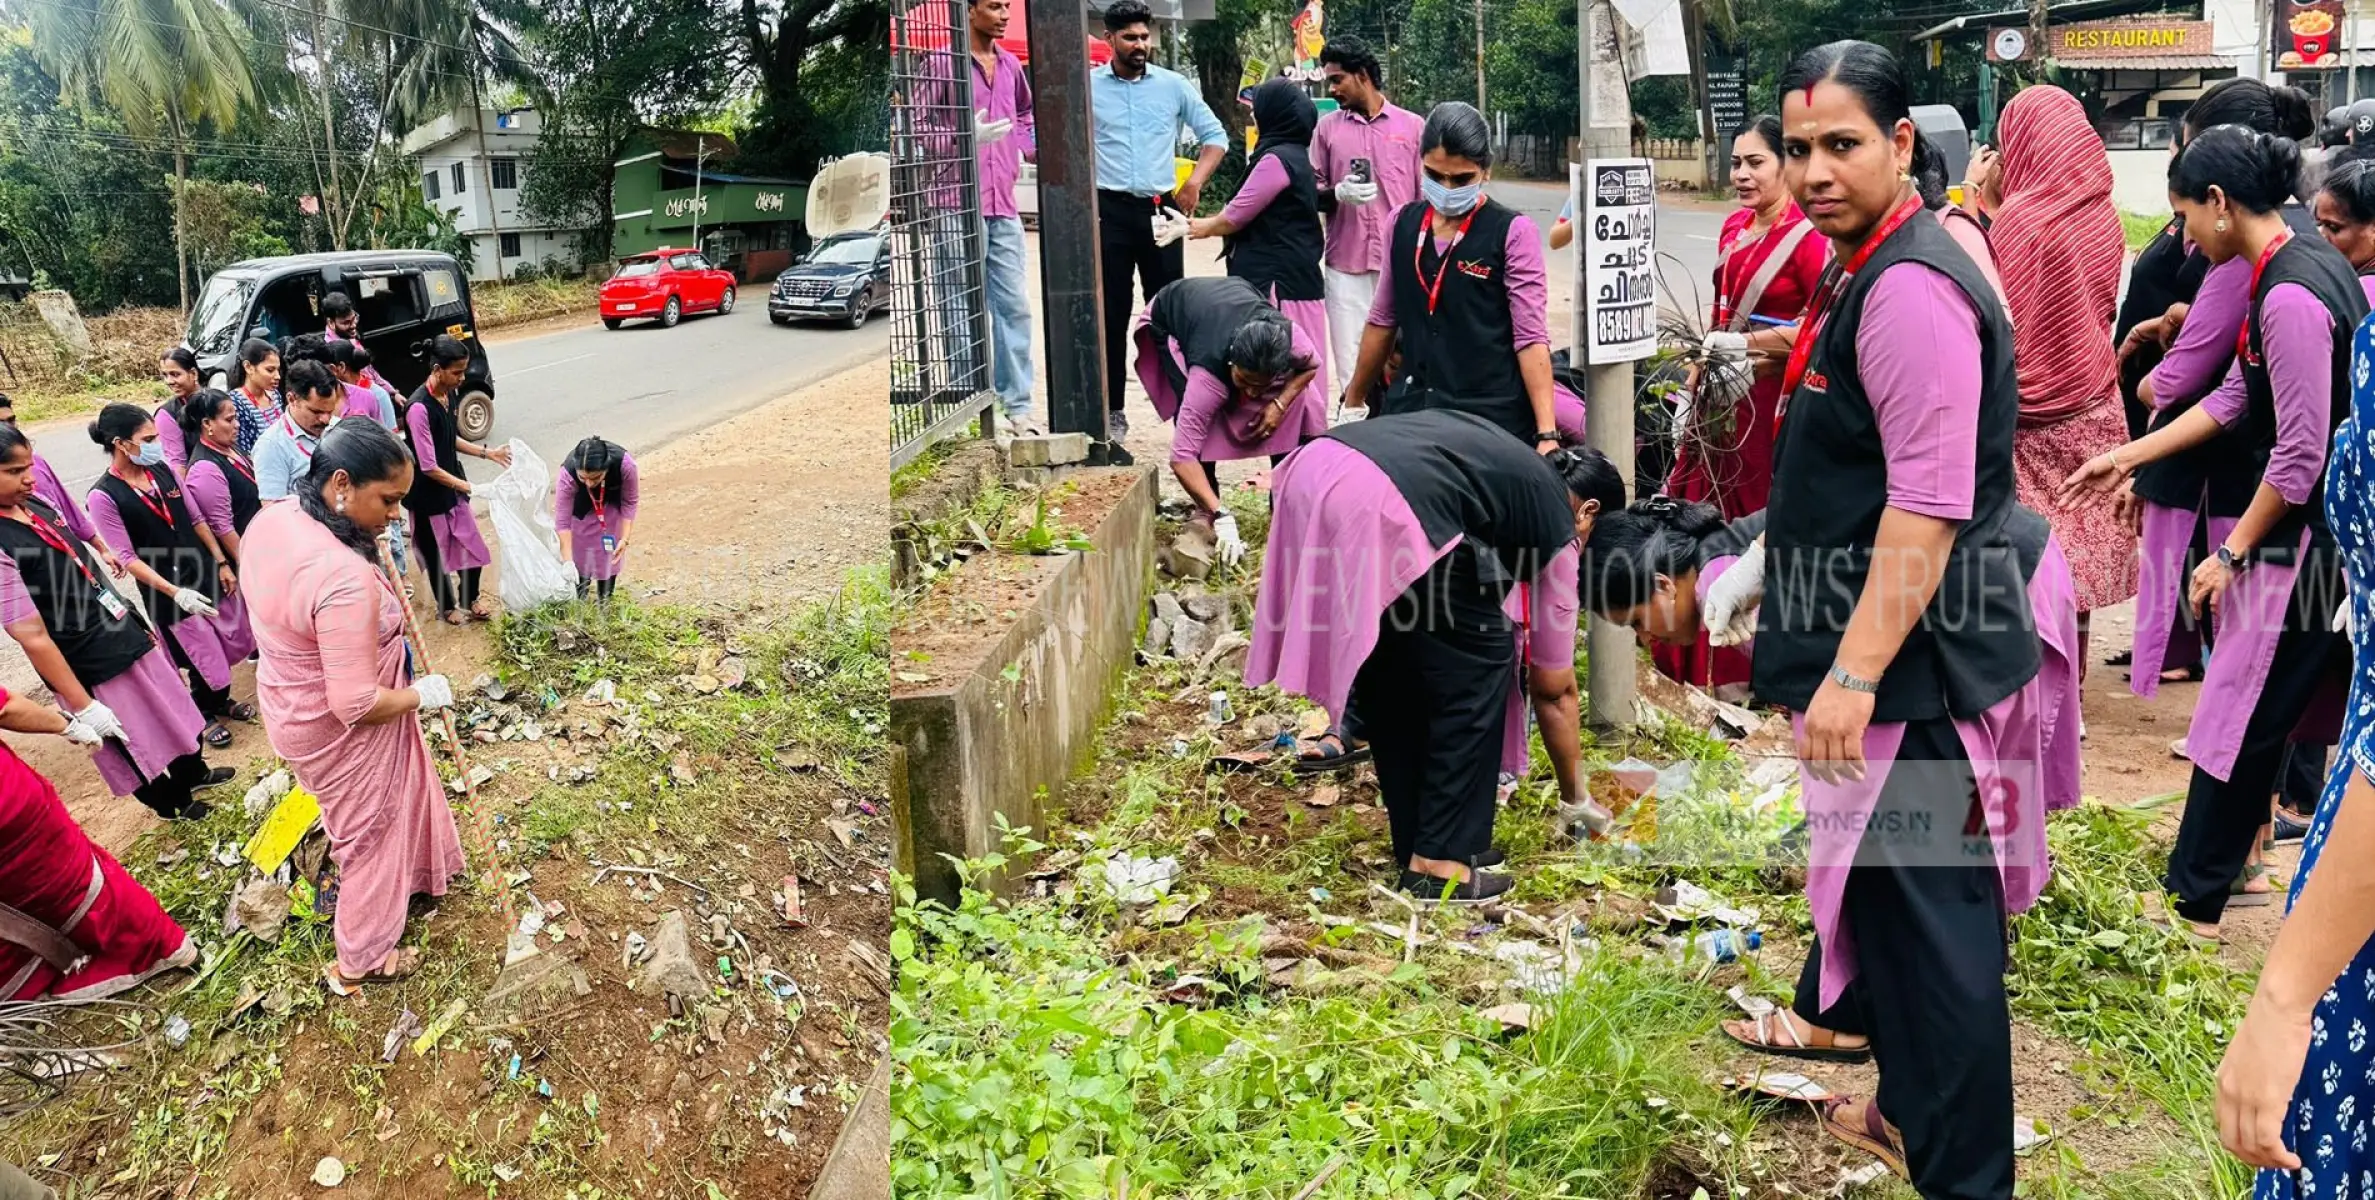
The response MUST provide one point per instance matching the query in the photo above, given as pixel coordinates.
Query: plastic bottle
(1714, 946)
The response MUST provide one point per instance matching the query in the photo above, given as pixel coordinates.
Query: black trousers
(1126, 243)
(2303, 779)
(455, 590)
(597, 587)
(2222, 819)
(1433, 698)
(1929, 988)
(213, 703)
(168, 795)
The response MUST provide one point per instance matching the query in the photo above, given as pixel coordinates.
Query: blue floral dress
(2335, 1101)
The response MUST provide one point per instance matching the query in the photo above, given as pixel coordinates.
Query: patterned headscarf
(2058, 244)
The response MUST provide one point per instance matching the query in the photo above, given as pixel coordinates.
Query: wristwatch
(1547, 435)
(1853, 683)
(2235, 563)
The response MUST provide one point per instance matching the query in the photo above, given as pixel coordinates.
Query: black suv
(845, 279)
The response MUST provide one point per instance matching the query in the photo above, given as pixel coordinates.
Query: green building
(667, 182)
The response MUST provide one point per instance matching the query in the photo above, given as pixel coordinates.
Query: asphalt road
(640, 386)
(1687, 232)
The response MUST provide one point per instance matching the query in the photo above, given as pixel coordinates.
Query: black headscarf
(1282, 116)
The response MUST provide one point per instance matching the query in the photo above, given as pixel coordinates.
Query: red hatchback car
(665, 284)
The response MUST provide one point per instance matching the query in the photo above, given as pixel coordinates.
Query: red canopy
(924, 27)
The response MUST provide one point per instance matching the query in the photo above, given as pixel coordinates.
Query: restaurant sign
(2308, 34)
(2105, 40)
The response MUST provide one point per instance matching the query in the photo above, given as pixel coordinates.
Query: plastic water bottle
(1714, 946)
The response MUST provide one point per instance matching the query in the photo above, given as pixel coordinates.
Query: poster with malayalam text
(1616, 226)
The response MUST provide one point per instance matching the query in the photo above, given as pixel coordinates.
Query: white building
(481, 188)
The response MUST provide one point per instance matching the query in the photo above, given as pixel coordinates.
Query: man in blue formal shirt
(1138, 109)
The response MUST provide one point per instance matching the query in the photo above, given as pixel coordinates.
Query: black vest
(1977, 641)
(2240, 455)
(1460, 356)
(1203, 314)
(429, 498)
(96, 646)
(168, 544)
(239, 477)
(2164, 274)
(2177, 480)
(1280, 247)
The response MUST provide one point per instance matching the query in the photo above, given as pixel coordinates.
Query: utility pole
(1694, 25)
(1480, 56)
(1074, 322)
(700, 164)
(1608, 404)
(2037, 21)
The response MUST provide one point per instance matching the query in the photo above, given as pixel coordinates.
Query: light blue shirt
(1137, 123)
(283, 456)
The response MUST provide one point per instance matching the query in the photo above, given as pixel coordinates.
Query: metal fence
(940, 347)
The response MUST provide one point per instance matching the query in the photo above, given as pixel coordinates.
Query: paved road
(1687, 233)
(641, 386)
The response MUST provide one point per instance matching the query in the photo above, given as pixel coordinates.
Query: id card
(609, 544)
(112, 603)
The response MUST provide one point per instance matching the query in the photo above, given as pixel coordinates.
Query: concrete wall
(2140, 181)
(988, 744)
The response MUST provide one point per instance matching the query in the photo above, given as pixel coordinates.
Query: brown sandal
(1790, 1045)
(399, 965)
(1871, 1135)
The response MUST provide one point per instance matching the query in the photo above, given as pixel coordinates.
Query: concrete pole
(1070, 302)
(1608, 408)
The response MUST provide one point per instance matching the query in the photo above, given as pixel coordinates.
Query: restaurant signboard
(2099, 40)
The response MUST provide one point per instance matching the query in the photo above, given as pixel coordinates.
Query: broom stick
(482, 837)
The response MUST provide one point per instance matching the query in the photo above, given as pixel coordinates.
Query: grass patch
(2141, 227)
(496, 305)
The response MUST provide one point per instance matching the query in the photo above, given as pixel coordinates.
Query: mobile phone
(1360, 170)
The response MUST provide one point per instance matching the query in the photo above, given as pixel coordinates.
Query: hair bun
(2294, 116)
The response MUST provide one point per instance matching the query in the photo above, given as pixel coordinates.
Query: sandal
(1870, 1135)
(217, 735)
(1330, 751)
(1790, 1044)
(399, 965)
(481, 611)
(241, 711)
(2239, 897)
(455, 616)
(2121, 659)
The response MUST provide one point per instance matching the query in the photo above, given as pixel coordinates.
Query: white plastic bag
(520, 501)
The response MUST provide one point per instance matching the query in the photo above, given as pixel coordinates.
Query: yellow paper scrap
(278, 836)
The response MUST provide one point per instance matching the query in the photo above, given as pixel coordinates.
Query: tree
(164, 66)
(784, 39)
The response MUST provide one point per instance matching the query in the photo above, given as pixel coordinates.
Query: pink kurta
(52, 492)
(211, 644)
(586, 532)
(160, 722)
(331, 629)
(1211, 423)
(210, 501)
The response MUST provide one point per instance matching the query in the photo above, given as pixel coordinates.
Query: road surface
(1687, 231)
(640, 386)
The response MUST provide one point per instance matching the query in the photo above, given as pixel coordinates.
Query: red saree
(1731, 465)
(48, 871)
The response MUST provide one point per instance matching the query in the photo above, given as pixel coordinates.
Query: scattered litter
(603, 692)
(1535, 967)
(1682, 903)
(1321, 895)
(671, 969)
(1135, 879)
(544, 1088)
(438, 1028)
(266, 793)
(406, 1028)
(1872, 1172)
(1173, 909)
(329, 1172)
(1513, 1018)
(1751, 1003)
(177, 854)
(261, 907)
(505, 1172)
(784, 986)
(511, 1070)
(225, 855)
(732, 674)
(1713, 946)
(789, 900)
(2028, 1133)
(177, 1031)
(1245, 762)
(1219, 713)
(1782, 1085)
(1188, 989)
(844, 831)
(1324, 796)
(479, 777)
(680, 770)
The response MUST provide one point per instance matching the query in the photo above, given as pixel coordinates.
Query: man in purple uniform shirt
(1365, 155)
(1003, 138)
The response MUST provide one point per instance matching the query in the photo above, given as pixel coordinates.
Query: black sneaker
(1479, 888)
(2289, 828)
(1492, 857)
(195, 810)
(216, 778)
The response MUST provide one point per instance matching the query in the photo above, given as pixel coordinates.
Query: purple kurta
(1523, 273)
(1358, 234)
(1546, 612)
(459, 544)
(53, 493)
(211, 644)
(160, 723)
(586, 532)
(1343, 546)
(2298, 336)
(1309, 317)
(1567, 412)
(210, 500)
(1918, 359)
(1211, 424)
(177, 453)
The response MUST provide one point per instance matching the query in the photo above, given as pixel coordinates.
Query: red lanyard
(263, 404)
(2243, 334)
(295, 435)
(595, 494)
(1418, 253)
(234, 458)
(155, 504)
(1818, 310)
(57, 541)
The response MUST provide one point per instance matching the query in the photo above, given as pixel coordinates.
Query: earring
(2222, 225)
(342, 504)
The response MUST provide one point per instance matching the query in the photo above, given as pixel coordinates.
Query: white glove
(1726, 345)
(436, 692)
(1733, 599)
(98, 721)
(192, 601)
(1346, 414)
(1170, 226)
(989, 133)
(1225, 541)
(1356, 191)
(79, 733)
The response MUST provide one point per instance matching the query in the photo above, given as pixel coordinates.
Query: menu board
(2308, 35)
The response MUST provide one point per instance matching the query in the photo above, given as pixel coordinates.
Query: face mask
(1450, 201)
(150, 454)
